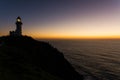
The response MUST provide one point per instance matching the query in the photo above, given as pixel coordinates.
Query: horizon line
(80, 38)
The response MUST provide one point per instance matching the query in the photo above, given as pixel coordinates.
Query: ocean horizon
(99, 58)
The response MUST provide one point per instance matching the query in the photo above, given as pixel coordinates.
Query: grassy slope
(25, 58)
(12, 68)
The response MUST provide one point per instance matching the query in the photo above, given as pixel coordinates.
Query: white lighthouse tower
(18, 31)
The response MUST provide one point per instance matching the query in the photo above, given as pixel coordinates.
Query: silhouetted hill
(23, 58)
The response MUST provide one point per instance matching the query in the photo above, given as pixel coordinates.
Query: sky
(62, 18)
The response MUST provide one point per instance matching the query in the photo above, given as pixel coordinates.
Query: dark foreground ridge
(23, 58)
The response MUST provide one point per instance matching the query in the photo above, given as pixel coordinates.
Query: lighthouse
(18, 31)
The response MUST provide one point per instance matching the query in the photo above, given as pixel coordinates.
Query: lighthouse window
(18, 20)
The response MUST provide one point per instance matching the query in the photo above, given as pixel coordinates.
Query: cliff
(23, 58)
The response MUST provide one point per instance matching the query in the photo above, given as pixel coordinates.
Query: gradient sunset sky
(62, 18)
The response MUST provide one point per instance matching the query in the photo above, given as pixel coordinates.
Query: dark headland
(23, 58)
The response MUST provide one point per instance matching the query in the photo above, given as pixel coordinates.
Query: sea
(95, 59)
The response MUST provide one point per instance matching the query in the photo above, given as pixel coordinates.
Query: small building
(18, 31)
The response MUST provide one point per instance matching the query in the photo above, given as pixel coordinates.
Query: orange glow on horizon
(76, 37)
